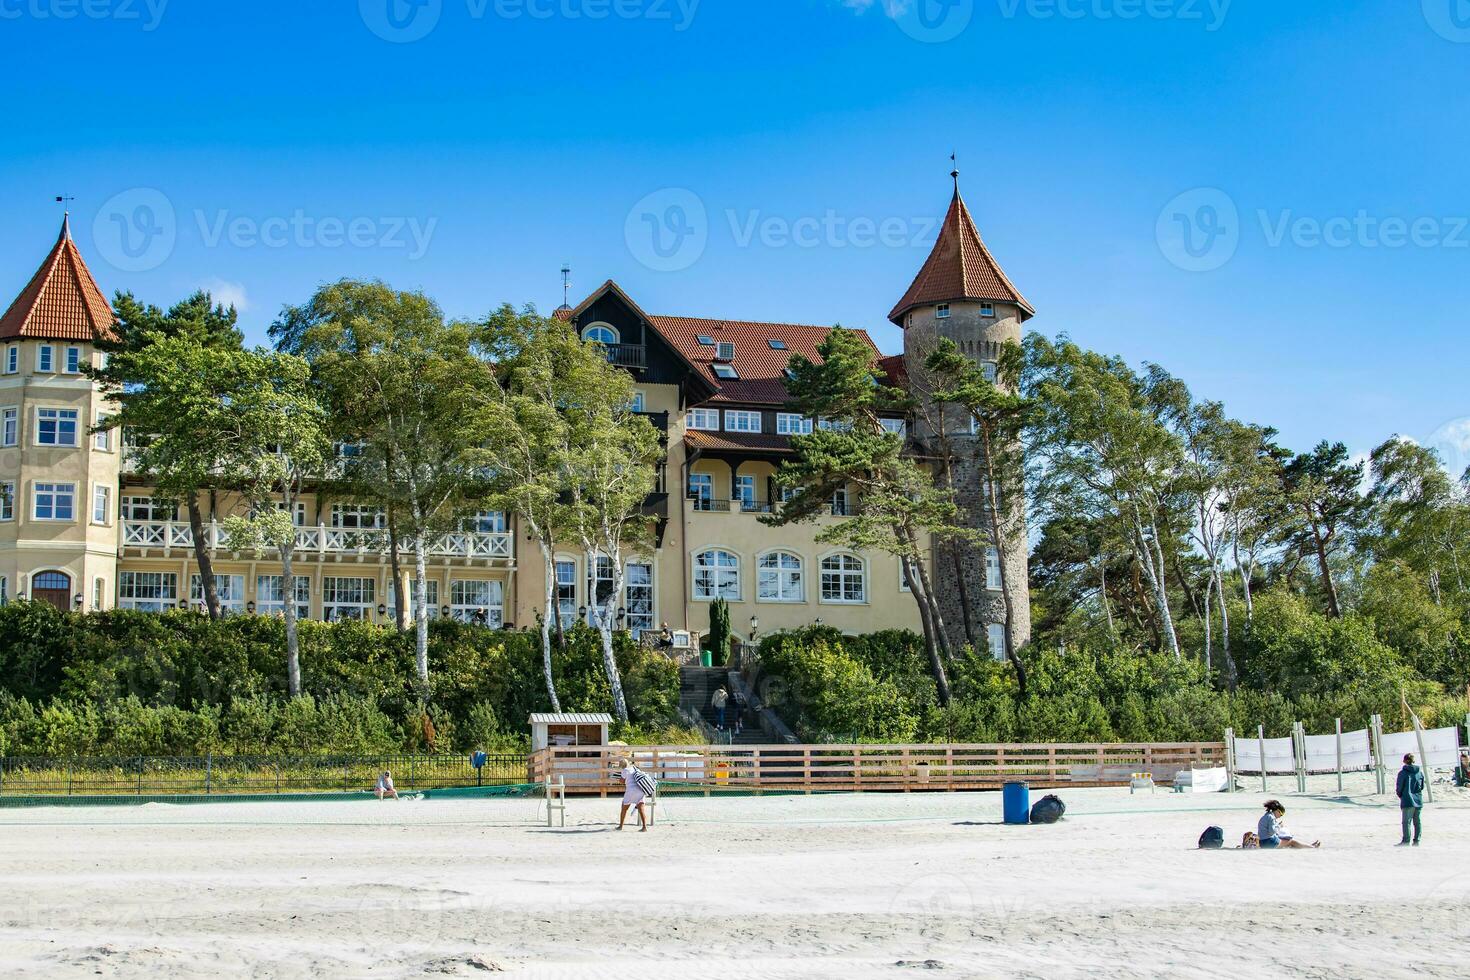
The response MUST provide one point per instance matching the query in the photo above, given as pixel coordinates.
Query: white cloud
(227, 293)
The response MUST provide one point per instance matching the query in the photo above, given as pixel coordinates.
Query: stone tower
(962, 294)
(59, 506)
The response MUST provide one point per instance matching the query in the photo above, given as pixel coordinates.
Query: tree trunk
(1330, 587)
(998, 535)
(546, 626)
(605, 628)
(288, 608)
(203, 557)
(421, 615)
(1230, 679)
(954, 549)
(941, 637)
(931, 642)
(1149, 554)
(395, 563)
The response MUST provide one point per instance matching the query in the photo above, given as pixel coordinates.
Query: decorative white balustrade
(322, 540)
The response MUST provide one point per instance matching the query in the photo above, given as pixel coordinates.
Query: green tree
(160, 409)
(899, 509)
(278, 442)
(1320, 491)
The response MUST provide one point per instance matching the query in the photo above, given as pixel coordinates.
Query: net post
(1339, 755)
(1261, 740)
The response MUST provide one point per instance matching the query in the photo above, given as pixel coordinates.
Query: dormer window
(941, 312)
(988, 310)
(600, 333)
(727, 372)
(725, 351)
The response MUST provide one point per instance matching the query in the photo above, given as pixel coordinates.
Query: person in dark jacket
(1410, 791)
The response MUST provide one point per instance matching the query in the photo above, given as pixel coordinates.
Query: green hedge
(139, 683)
(1295, 665)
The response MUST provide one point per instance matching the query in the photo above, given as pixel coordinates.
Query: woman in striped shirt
(638, 788)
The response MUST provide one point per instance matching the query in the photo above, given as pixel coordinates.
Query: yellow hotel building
(80, 531)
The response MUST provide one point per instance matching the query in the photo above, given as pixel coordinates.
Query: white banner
(1441, 745)
(1280, 755)
(1357, 752)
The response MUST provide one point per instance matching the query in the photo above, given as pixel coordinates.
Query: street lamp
(582, 613)
(250, 608)
(755, 627)
(184, 605)
(382, 610)
(444, 611)
(78, 599)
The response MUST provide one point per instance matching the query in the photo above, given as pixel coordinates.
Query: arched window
(716, 575)
(779, 578)
(601, 333)
(844, 579)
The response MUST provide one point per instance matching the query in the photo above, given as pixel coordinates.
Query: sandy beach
(836, 886)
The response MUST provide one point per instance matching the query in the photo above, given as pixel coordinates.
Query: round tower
(962, 294)
(58, 482)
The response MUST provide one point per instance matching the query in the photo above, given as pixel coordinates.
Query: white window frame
(740, 420)
(488, 522)
(4, 591)
(640, 401)
(844, 508)
(725, 371)
(992, 569)
(57, 417)
(833, 425)
(566, 591)
(792, 424)
(704, 419)
(987, 310)
(45, 359)
(780, 576)
(9, 427)
(12, 359)
(134, 588)
(347, 601)
(738, 487)
(836, 580)
(73, 361)
(270, 598)
(701, 489)
(721, 579)
(229, 588)
(995, 640)
(102, 439)
(54, 491)
(941, 311)
(991, 370)
(377, 517)
(639, 597)
(151, 509)
(431, 598)
(587, 331)
(470, 597)
(898, 427)
(99, 593)
(7, 500)
(102, 502)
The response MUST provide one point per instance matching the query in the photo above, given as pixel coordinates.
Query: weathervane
(566, 284)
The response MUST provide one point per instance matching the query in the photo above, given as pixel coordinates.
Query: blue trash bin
(1017, 803)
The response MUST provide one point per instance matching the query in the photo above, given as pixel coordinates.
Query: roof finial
(955, 173)
(65, 215)
(566, 285)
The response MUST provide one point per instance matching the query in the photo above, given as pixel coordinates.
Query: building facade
(80, 530)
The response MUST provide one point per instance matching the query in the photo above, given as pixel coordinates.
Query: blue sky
(1267, 198)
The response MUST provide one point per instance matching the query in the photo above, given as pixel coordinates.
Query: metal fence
(231, 775)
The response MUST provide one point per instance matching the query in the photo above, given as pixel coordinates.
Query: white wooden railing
(321, 540)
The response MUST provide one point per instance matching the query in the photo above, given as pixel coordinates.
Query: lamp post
(77, 601)
(582, 613)
(755, 627)
(250, 608)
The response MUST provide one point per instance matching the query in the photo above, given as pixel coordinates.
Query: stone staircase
(697, 685)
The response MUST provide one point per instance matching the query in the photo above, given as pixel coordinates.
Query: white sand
(851, 887)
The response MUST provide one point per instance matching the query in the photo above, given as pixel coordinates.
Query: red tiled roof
(761, 367)
(895, 370)
(960, 268)
(736, 441)
(61, 302)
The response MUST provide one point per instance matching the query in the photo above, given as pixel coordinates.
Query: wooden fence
(869, 768)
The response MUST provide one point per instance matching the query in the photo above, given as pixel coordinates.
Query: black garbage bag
(1049, 809)
(1212, 839)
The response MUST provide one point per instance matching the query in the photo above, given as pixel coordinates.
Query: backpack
(1250, 841)
(1049, 809)
(1212, 839)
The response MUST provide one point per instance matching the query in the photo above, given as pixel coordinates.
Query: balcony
(142, 537)
(627, 355)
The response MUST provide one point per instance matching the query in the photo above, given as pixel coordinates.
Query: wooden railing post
(806, 766)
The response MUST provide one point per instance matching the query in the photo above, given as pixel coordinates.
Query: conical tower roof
(960, 268)
(62, 301)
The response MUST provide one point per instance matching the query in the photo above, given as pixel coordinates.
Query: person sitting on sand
(385, 788)
(1462, 772)
(637, 789)
(1272, 829)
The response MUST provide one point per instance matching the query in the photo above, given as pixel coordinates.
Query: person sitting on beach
(637, 790)
(1462, 772)
(1272, 829)
(385, 788)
